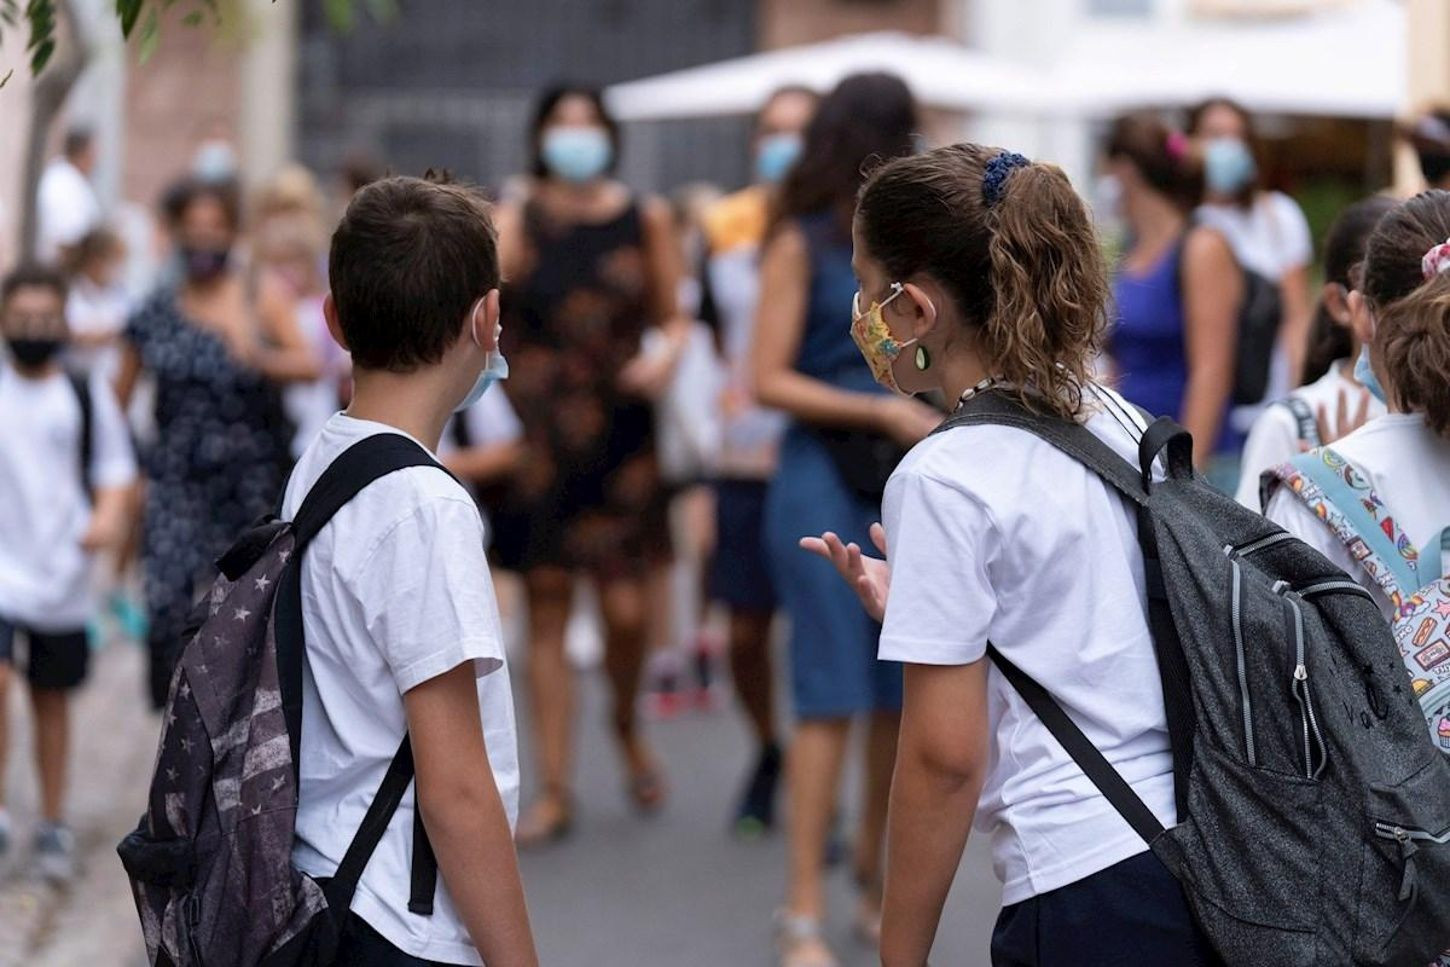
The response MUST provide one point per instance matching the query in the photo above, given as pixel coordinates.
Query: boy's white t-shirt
(1409, 468)
(1275, 436)
(45, 576)
(395, 591)
(995, 535)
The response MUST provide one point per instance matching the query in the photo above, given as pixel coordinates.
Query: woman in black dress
(216, 352)
(593, 272)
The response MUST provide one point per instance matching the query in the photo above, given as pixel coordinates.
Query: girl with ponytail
(1401, 316)
(980, 272)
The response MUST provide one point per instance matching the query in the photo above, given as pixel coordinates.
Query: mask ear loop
(473, 321)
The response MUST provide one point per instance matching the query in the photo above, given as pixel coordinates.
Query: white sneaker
(55, 853)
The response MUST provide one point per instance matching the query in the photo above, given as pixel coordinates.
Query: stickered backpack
(1417, 586)
(210, 862)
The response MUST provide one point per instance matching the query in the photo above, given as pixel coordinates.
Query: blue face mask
(495, 369)
(1228, 166)
(1364, 375)
(775, 156)
(577, 154)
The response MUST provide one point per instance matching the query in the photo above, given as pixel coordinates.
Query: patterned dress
(588, 495)
(219, 462)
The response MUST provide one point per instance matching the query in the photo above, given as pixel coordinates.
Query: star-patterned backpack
(1417, 586)
(211, 861)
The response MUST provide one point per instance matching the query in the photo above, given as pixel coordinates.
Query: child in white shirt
(399, 613)
(65, 470)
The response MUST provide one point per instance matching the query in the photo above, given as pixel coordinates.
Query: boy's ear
(488, 321)
(329, 312)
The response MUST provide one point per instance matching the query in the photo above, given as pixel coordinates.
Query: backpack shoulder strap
(1075, 440)
(1304, 422)
(1340, 495)
(1162, 436)
(82, 389)
(1077, 745)
(359, 466)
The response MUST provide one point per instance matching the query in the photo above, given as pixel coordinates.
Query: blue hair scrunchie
(994, 179)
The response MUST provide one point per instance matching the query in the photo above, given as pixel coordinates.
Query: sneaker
(755, 815)
(55, 853)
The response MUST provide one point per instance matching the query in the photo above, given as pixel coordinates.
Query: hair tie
(1436, 261)
(994, 178)
(1176, 145)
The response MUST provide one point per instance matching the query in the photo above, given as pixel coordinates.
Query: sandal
(549, 820)
(800, 942)
(647, 791)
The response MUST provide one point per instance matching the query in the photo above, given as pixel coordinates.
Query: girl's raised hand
(869, 577)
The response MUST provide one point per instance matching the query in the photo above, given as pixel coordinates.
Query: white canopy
(1350, 61)
(940, 72)
(1347, 61)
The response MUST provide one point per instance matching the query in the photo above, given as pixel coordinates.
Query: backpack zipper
(1253, 547)
(1248, 712)
(1409, 840)
(1300, 689)
(1330, 587)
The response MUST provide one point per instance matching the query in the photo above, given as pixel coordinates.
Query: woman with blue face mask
(591, 267)
(1266, 229)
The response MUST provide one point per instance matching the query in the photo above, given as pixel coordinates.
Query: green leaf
(41, 56)
(129, 11)
(150, 36)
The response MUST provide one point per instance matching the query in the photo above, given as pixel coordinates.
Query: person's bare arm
(282, 353)
(779, 327)
(1212, 292)
(110, 519)
(649, 373)
(465, 817)
(485, 464)
(128, 374)
(509, 221)
(941, 760)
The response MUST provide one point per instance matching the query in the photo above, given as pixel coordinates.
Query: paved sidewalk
(93, 923)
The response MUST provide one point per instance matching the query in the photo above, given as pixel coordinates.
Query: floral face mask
(872, 336)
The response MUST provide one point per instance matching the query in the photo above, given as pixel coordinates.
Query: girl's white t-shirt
(1270, 237)
(1275, 436)
(995, 535)
(1409, 468)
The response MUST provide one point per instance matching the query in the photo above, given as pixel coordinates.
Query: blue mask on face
(1228, 166)
(577, 154)
(1364, 375)
(775, 156)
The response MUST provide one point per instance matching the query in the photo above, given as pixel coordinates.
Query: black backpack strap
(1092, 762)
(82, 390)
(360, 465)
(1077, 441)
(1163, 436)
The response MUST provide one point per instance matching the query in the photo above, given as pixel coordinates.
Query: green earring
(923, 358)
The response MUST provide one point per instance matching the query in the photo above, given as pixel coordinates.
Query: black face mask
(34, 353)
(204, 264)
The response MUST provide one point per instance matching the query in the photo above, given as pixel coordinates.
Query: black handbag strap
(1162, 436)
(360, 465)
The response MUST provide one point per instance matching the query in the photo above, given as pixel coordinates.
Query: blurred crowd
(681, 407)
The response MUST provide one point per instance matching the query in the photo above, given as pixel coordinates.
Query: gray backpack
(211, 861)
(1314, 811)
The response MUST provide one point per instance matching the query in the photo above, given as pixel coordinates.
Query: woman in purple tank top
(1177, 290)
